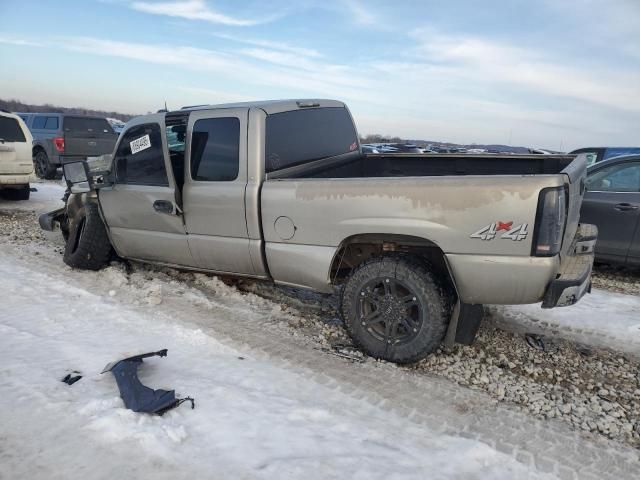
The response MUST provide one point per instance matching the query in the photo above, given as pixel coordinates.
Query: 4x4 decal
(489, 232)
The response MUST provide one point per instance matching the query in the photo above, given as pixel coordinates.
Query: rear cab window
(139, 159)
(87, 126)
(10, 130)
(301, 136)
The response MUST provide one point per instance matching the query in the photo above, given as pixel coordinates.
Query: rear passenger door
(214, 190)
(141, 210)
(612, 202)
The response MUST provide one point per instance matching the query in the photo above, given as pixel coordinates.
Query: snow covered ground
(252, 419)
(603, 319)
(287, 413)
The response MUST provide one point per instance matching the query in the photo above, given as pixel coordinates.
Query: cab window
(302, 136)
(215, 149)
(139, 159)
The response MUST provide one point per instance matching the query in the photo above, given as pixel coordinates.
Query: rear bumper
(574, 278)
(14, 179)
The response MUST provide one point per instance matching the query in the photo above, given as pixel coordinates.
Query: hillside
(18, 106)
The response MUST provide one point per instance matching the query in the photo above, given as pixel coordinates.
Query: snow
(47, 197)
(600, 319)
(253, 418)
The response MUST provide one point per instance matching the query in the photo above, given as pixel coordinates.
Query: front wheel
(394, 308)
(88, 246)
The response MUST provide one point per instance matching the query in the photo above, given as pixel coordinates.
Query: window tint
(51, 123)
(140, 159)
(10, 130)
(215, 148)
(39, 121)
(616, 178)
(301, 136)
(87, 126)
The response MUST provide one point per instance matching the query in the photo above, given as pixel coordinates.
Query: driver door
(141, 209)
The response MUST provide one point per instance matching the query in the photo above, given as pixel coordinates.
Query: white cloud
(360, 13)
(262, 67)
(196, 10)
(482, 61)
(20, 42)
(284, 47)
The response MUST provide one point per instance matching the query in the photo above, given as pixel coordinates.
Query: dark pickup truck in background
(59, 138)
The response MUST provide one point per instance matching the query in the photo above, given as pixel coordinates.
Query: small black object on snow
(70, 379)
(135, 395)
(33, 189)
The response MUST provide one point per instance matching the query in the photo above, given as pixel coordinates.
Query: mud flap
(135, 395)
(464, 324)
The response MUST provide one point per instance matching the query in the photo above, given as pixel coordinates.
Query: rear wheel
(88, 246)
(42, 167)
(394, 308)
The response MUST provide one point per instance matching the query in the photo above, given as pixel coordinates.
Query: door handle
(163, 206)
(625, 207)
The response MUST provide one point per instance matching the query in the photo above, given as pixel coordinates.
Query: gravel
(592, 390)
(617, 279)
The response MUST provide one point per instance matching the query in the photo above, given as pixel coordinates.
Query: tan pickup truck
(280, 190)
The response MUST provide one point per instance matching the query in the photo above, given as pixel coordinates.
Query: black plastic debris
(70, 379)
(535, 341)
(135, 395)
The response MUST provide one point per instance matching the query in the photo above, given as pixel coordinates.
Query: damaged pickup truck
(280, 190)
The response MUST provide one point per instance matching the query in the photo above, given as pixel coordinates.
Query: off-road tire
(42, 167)
(88, 246)
(17, 193)
(433, 308)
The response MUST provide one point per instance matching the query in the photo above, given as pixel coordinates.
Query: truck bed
(426, 165)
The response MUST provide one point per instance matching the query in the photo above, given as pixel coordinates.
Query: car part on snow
(70, 379)
(135, 395)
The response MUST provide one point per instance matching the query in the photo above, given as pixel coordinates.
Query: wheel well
(37, 149)
(358, 248)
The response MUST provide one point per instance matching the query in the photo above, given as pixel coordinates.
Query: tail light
(58, 143)
(550, 222)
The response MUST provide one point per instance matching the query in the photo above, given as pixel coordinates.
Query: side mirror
(77, 176)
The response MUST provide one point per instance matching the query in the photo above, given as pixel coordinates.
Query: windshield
(618, 152)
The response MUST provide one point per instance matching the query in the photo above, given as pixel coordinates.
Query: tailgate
(576, 172)
(88, 137)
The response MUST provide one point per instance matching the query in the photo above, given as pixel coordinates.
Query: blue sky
(547, 73)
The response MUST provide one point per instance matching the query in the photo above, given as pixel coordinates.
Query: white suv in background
(16, 165)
